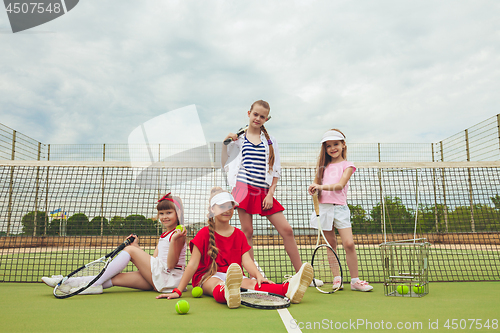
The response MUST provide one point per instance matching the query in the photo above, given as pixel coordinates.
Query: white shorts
(330, 216)
(222, 276)
(164, 279)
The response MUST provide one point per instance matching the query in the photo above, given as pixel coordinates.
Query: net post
(469, 180)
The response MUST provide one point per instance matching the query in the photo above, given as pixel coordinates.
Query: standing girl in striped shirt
(253, 168)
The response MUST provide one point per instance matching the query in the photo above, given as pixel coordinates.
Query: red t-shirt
(231, 249)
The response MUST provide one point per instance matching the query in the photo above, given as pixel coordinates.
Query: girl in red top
(217, 253)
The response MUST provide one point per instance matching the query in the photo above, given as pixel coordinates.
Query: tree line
(398, 219)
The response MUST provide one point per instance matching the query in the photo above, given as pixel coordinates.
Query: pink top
(333, 173)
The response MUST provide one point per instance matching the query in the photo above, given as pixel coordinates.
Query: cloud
(390, 71)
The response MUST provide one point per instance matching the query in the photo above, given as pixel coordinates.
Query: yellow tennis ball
(418, 289)
(402, 289)
(180, 227)
(182, 307)
(197, 292)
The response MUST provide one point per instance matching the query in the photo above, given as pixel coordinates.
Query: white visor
(332, 135)
(222, 198)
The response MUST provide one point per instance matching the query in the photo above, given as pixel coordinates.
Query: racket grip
(129, 240)
(316, 203)
(227, 141)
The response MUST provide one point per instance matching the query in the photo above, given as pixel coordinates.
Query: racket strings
(262, 299)
(326, 267)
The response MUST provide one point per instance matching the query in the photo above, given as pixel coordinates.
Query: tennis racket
(88, 273)
(325, 262)
(263, 300)
(240, 132)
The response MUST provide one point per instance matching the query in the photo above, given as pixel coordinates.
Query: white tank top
(164, 245)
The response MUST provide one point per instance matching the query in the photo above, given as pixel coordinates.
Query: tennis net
(55, 216)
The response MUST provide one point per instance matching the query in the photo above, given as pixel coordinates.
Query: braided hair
(213, 251)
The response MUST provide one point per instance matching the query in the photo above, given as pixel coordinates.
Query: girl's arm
(224, 155)
(268, 200)
(332, 187)
(191, 268)
(176, 244)
(249, 265)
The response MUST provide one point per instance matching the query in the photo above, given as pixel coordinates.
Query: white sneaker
(337, 283)
(298, 283)
(52, 281)
(319, 283)
(361, 285)
(234, 276)
(92, 290)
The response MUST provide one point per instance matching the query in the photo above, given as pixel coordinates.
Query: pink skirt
(250, 199)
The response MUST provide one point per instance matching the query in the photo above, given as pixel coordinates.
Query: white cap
(332, 135)
(222, 198)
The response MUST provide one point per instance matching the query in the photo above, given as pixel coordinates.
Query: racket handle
(240, 132)
(129, 240)
(316, 203)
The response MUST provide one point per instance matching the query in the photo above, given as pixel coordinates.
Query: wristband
(177, 291)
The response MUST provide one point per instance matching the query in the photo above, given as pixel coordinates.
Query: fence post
(498, 127)
(36, 190)
(444, 189)
(471, 201)
(102, 189)
(381, 192)
(47, 193)
(11, 183)
(435, 191)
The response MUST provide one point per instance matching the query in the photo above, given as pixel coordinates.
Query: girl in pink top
(332, 183)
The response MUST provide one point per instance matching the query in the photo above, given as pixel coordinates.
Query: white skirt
(164, 279)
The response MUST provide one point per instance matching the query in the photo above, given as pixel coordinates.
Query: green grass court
(31, 307)
(445, 263)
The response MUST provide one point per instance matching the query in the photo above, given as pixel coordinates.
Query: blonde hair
(265, 105)
(213, 251)
(324, 159)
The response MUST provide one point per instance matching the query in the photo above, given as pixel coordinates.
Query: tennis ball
(402, 289)
(418, 289)
(180, 227)
(197, 292)
(182, 307)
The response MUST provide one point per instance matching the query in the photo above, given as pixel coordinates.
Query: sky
(381, 71)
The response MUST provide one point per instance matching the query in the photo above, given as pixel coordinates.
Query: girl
(217, 253)
(161, 272)
(253, 168)
(332, 182)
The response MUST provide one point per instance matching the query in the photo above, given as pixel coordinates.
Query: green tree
(77, 225)
(398, 218)
(117, 225)
(496, 201)
(95, 226)
(28, 223)
(360, 224)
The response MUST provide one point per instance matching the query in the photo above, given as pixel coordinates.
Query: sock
(107, 284)
(219, 294)
(116, 266)
(279, 289)
(354, 280)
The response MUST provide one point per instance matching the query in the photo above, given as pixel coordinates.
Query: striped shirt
(253, 166)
